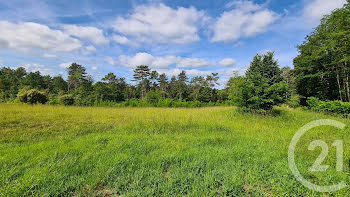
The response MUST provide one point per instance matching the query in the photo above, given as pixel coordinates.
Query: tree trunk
(347, 83)
(339, 88)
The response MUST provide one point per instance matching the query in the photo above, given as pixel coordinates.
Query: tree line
(80, 89)
(261, 88)
(321, 71)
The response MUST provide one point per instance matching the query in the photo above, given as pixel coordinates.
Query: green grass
(95, 151)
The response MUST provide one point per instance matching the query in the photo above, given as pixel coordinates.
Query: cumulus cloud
(110, 60)
(190, 72)
(88, 33)
(246, 19)
(44, 70)
(160, 23)
(25, 36)
(161, 62)
(228, 62)
(124, 40)
(65, 65)
(316, 9)
(120, 39)
(88, 50)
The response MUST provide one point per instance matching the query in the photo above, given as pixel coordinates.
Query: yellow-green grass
(94, 151)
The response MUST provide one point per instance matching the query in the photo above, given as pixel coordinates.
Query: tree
(32, 96)
(142, 76)
(263, 87)
(289, 79)
(11, 79)
(153, 79)
(212, 81)
(76, 76)
(153, 96)
(163, 84)
(181, 86)
(110, 78)
(112, 91)
(322, 66)
(172, 87)
(234, 86)
(197, 83)
(59, 85)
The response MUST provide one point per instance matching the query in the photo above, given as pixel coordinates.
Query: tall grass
(89, 151)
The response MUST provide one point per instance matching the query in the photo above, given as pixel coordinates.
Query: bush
(53, 100)
(153, 97)
(32, 96)
(66, 99)
(294, 101)
(337, 107)
(165, 102)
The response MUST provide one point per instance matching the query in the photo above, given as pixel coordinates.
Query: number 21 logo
(317, 166)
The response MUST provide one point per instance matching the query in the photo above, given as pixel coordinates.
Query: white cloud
(190, 72)
(44, 70)
(162, 24)
(161, 62)
(246, 19)
(316, 9)
(124, 40)
(228, 62)
(94, 68)
(65, 65)
(1, 62)
(137, 60)
(88, 50)
(46, 55)
(120, 39)
(25, 36)
(110, 60)
(193, 63)
(89, 33)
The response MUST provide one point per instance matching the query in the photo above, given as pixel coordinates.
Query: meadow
(216, 151)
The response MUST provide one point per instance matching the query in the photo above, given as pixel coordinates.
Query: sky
(198, 36)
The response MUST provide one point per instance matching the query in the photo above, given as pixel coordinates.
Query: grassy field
(86, 151)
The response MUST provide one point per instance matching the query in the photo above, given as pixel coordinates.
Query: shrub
(294, 101)
(153, 97)
(66, 99)
(165, 102)
(53, 100)
(32, 96)
(337, 107)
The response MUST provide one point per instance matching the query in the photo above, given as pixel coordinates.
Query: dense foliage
(150, 89)
(337, 107)
(263, 87)
(322, 67)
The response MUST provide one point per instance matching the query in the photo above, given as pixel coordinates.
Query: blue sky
(199, 36)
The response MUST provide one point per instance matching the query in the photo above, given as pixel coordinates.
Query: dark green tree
(322, 66)
(163, 84)
(142, 77)
(59, 85)
(263, 87)
(77, 76)
(181, 86)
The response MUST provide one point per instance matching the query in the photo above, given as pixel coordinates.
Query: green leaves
(263, 87)
(321, 68)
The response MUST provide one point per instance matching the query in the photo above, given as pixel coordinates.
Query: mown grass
(94, 151)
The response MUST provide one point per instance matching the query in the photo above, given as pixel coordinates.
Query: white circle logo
(317, 165)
